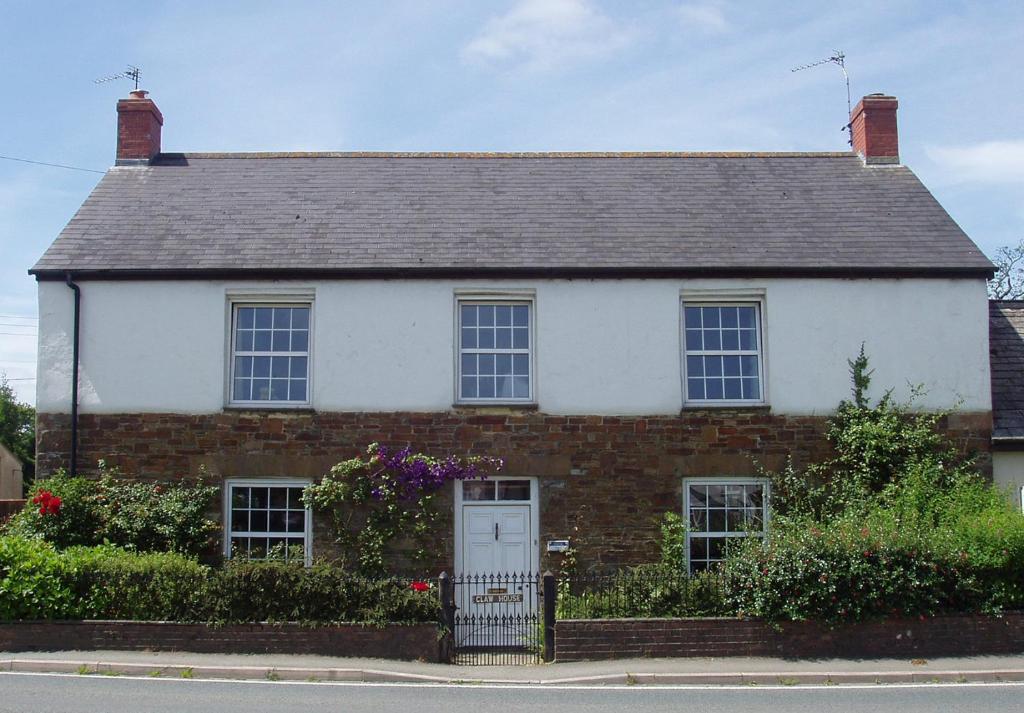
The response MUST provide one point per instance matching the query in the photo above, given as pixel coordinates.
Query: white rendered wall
(602, 346)
(1008, 473)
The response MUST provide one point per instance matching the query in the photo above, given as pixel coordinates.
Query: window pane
(695, 389)
(300, 341)
(258, 521)
(296, 521)
(716, 520)
(295, 498)
(713, 365)
(521, 364)
(521, 315)
(504, 387)
(748, 339)
(468, 364)
(239, 497)
(467, 315)
(245, 317)
(278, 389)
(278, 521)
(715, 547)
(698, 496)
(242, 390)
(521, 338)
(282, 340)
(300, 318)
(486, 388)
(503, 338)
(755, 495)
(469, 388)
(698, 548)
(485, 364)
(469, 339)
(240, 521)
(264, 318)
(694, 366)
(297, 390)
(733, 389)
(502, 364)
(751, 389)
(716, 496)
(522, 387)
(485, 315)
(261, 366)
(261, 389)
(712, 340)
(731, 365)
(699, 520)
(486, 339)
(503, 315)
(282, 318)
(279, 367)
(243, 342)
(693, 340)
(748, 365)
(261, 341)
(692, 319)
(297, 369)
(710, 316)
(243, 366)
(478, 490)
(714, 389)
(734, 496)
(513, 490)
(729, 318)
(730, 339)
(747, 317)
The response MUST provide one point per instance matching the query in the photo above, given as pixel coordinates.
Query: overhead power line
(17, 316)
(19, 334)
(53, 165)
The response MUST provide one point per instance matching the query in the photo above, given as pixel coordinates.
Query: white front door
(496, 539)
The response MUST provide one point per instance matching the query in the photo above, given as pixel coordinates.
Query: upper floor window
(722, 346)
(495, 351)
(270, 354)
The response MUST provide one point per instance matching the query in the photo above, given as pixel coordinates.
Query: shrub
(645, 591)
(112, 583)
(32, 581)
(133, 515)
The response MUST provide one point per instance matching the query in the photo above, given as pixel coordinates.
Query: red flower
(419, 586)
(49, 504)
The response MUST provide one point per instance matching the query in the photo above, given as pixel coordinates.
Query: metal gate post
(446, 593)
(550, 600)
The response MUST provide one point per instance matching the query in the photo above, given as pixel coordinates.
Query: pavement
(690, 671)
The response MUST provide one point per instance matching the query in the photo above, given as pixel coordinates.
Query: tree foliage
(18, 429)
(1008, 283)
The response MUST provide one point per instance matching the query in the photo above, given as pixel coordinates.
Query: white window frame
(307, 535)
(236, 300)
(504, 297)
(724, 480)
(719, 298)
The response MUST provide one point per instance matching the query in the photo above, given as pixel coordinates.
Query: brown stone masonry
(604, 481)
(952, 635)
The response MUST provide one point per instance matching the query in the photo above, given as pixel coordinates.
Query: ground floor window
(265, 519)
(717, 512)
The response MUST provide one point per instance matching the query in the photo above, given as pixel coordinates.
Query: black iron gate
(497, 618)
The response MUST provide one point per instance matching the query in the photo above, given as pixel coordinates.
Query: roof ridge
(510, 154)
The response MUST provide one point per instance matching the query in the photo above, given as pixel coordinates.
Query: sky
(497, 75)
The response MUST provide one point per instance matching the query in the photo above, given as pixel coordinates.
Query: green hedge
(39, 582)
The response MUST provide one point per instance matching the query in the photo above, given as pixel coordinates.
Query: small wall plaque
(558, 545)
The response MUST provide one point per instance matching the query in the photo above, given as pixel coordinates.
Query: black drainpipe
(74, 379)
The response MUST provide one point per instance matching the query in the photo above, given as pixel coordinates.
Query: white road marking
(469, 685)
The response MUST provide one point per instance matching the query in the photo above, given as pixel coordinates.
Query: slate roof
(1006, 358)
(545, 214)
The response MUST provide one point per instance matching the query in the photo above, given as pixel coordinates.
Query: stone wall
(950, 635)
(604, 481)
(392, 641)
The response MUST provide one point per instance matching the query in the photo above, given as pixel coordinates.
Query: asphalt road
(25, 693)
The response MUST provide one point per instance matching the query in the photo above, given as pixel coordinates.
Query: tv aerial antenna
(132, 74)
(838, 59)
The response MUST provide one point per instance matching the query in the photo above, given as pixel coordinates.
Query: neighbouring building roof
(560, 214)
(1006, 348)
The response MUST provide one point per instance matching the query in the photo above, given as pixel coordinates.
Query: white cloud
(987, 162)
(543, 34)
(706, 17)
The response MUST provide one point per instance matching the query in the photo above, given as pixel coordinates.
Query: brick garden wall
(604, 481)
(393, 641)
(952, 635)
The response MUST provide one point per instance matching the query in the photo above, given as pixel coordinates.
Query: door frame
(533, 502)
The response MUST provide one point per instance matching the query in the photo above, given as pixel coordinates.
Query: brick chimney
(138, 129)
(874, 129)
